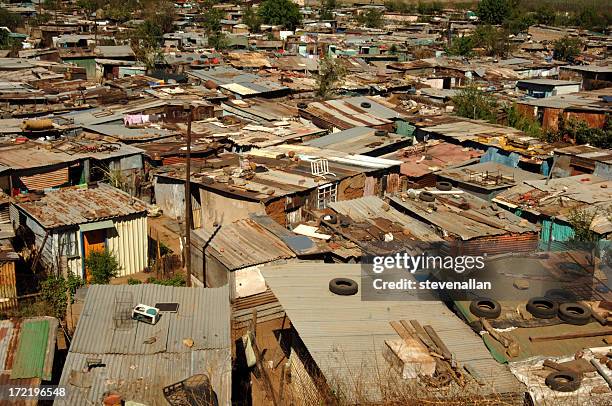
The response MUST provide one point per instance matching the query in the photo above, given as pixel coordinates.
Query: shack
(64, 226)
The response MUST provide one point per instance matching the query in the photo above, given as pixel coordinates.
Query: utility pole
(187, 108)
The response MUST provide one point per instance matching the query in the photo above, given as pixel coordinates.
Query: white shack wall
(129, 244)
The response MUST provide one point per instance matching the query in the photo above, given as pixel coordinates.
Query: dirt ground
(268, 336)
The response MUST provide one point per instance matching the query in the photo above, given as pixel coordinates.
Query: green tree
(10, 20)
(494, 11)
(372, 18)
(494, 40)
(331, 73)
(528, 125)
(210, 20)
(591, 19)
(473, 103)
(280, 12)
(429, 8)
(461, 46)
(102, 266)
(251, 19)
(567, 48)
(90, 6)
(545, 14)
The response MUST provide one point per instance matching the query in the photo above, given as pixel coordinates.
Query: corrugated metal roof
(358, 140)
(72, 206)
(454, 220)
(139, 371)
(27, 348)
(245, 243)
(29, 359)
(370, 207)
(345, 335)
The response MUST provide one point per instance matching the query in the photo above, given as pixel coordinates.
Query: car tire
(427, 196)
(542, 308)
(485, 307)
(366, 105)
(563, 381)
(444, 186)
(380, 133)
(574, 313)
(302, 105)
(343, 286)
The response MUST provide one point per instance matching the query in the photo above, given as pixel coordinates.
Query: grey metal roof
(371, 207)
(356, 140)
(345, 335)
(453, 220)
(139, 371)
(245, 243)
(547, 82)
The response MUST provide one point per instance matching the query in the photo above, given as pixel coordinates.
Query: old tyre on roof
(366, 105)
(380, 133)
(302, 105)
(563, 381)
(427, 196)
(485, 307)
(343, 286)
(542, 308)
(444, 185)
(574, 313)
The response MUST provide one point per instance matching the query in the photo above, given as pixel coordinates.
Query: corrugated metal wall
(47, 180)
(129, 244)
(8, 286)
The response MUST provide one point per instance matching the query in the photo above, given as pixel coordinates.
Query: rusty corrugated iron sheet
(73, 206)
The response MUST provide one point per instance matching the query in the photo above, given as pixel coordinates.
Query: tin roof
(359, 140)
(27, 348)
(345, 335)
(245, 243)
(488, 176)
(140, 359)
(348, 113)
(422, 159)
(85, 205)
(559, 197)
(479, 220)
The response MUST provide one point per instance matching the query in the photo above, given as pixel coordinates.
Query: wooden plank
(571, 336)
(438, 342)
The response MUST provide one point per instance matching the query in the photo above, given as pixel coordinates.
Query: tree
(494, 11)
(210, 20)
(494, 40)
(461, 46)
(591, 19)
(10, 20)
(517, 120)
(372, 18)
(251, 19)
(330, 74)
(473, 103)
(567, 48)
(280, 12)
(57, 291)
(162, 13)
(102, 266)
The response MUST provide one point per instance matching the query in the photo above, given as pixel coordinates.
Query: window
(326, 194)
(68, 244)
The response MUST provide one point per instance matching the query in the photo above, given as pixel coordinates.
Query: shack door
(93, 241)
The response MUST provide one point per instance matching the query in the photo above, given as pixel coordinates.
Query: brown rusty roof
(73, 206)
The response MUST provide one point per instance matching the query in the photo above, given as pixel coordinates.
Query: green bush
(176, 280)
(102, 266)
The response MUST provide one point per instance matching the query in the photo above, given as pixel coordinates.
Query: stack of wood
(421, 353)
